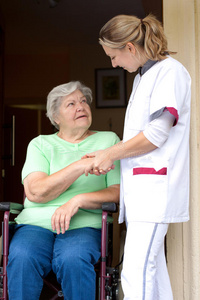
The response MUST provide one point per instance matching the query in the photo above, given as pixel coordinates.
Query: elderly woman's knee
(21, 253)
(74, 258)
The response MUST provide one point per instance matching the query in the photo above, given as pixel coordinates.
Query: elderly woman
(60, 226)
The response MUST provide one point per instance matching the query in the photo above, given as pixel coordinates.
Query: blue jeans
(34, 251)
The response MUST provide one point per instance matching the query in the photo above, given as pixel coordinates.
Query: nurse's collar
(146, 66)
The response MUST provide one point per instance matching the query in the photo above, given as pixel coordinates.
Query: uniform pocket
(146, 194)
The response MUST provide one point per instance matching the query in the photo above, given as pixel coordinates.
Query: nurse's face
(126, 58)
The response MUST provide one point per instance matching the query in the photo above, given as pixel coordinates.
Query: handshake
(99, 163)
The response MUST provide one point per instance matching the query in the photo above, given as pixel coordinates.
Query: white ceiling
(32, 24)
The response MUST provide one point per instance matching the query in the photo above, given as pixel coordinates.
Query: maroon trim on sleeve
(146, 171)
(174, 112)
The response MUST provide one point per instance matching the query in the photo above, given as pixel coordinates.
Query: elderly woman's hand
(61, 218)
(102, 162)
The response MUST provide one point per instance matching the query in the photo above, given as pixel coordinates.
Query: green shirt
(49, 154)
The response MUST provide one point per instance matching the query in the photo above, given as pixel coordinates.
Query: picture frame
(110, 88)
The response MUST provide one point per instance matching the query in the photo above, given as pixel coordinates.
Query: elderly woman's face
(74, 112)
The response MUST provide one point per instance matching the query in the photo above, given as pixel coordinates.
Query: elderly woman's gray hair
(55, 97)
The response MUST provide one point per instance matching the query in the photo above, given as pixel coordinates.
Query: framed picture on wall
(110, 88)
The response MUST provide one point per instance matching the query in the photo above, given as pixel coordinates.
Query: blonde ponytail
(155, 42)
(147, 33)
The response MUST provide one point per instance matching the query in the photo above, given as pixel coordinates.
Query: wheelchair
(107, 276)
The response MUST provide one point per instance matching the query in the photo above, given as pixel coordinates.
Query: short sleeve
(157, 131)
(36, 161)
(169, 91)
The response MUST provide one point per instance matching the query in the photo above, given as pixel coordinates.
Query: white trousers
(144, 275)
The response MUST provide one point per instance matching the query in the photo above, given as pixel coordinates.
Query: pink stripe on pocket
(152, 171)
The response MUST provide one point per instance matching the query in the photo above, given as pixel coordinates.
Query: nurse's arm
(154, 135)
(136, 146)
(104, 159)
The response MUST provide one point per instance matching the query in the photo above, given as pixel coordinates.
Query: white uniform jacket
(155, 186)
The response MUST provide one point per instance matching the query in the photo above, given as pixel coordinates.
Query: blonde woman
(154, 152)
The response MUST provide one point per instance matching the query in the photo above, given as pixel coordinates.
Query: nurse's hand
(102, 162)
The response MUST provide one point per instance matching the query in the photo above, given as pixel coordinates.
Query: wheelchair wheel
(115, 292)
(115, 284)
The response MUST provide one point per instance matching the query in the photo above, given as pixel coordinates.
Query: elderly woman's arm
(42, 188)
(61, 218)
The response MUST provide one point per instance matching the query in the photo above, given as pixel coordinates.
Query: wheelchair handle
(109, 207)
(11, 206)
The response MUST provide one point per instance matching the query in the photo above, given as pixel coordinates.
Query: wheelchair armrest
(110, 207)
(13, 207)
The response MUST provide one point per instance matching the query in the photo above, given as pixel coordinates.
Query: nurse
(154, 152)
